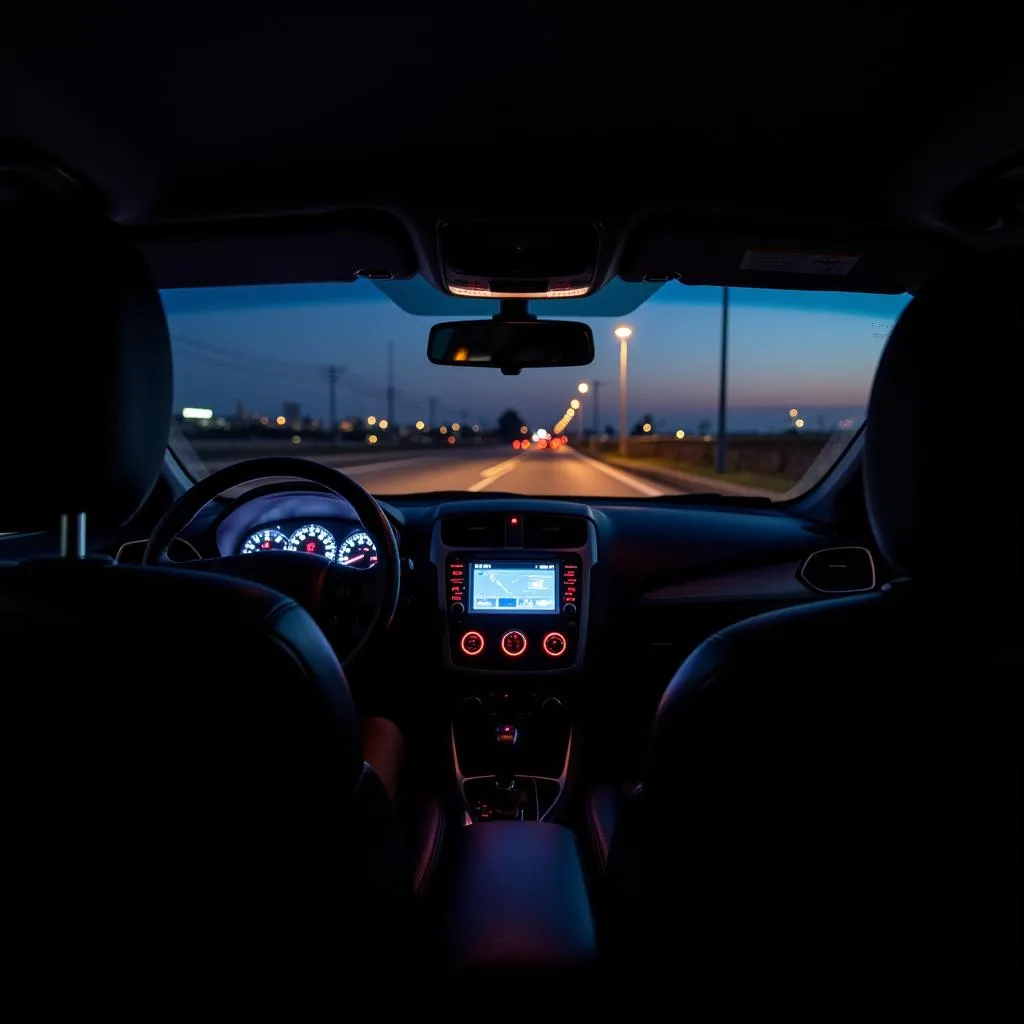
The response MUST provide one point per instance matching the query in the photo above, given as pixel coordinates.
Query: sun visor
(287, 250)
(808, 262)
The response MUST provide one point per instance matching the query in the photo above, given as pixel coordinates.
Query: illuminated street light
(647, 428)
(371, 420)
(524, 429)
(443, 430)
(793, 414)
(680, 434)
(280, 421)
(623, 333)
(383, 424)
(189, 413)
(583, 387)
(798, 424)
(574, 404)
(456, 427)
(420, 424)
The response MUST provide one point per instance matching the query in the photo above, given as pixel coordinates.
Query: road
(564, 473)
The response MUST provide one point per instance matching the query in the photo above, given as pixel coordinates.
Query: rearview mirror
(511, 345)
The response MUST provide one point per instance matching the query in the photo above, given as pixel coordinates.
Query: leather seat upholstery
(187, 805)
(831, 795)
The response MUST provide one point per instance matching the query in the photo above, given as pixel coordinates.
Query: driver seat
(187, 805)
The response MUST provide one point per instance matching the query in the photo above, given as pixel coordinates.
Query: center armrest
(520, 899)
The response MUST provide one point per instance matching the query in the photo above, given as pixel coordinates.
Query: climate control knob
(472, 643)
(554, 644)
(569, 610)
(513, 643)
(458, 609)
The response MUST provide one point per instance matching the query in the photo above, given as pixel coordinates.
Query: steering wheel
(351, 606)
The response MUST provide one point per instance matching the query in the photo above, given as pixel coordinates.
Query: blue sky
(263, 346)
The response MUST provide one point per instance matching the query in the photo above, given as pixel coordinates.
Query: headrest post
(72, 535)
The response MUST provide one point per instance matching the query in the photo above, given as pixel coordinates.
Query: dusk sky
(263, 346)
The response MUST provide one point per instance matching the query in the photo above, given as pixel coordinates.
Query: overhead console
(486, 260)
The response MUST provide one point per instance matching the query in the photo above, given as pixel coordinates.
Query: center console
(514, 596)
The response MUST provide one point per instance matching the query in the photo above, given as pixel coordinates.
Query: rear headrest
(943, 439)
(85, 385)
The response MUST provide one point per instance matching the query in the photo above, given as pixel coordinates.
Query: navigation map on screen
(512, 587)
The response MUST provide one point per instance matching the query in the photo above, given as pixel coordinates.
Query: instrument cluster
(347, 544)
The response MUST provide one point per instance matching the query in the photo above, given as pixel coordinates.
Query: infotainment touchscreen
(513, 586)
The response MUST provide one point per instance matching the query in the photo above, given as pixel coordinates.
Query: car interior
(745, 748)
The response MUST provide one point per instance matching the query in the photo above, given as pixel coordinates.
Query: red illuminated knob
(554, 644)
(472, 643)
(513, 643)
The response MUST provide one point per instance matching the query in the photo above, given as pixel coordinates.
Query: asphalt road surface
(564, 473)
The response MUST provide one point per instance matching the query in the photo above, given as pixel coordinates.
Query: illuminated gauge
(358, 551)
(314, 539)
(266, 540)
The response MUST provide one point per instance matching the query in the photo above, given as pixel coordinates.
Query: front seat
(187, 806)
(831, 795)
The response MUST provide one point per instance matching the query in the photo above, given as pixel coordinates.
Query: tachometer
(266, 540)
(314, 539)
(358, 551)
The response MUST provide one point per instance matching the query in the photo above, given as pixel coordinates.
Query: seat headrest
(943, 435)
(85, 391)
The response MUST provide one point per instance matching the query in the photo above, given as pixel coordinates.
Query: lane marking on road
(617, 474)
(495, 472)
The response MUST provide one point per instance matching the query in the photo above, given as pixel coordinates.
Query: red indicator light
(514, 521)
(311, 546)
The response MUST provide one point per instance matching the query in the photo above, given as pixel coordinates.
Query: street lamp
(623, 333)
(583, 387)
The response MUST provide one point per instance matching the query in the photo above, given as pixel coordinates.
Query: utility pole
(432, 416)
(332, 381)
(722, 381)
(391, 384)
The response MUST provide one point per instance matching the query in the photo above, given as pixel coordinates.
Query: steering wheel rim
(371, 515)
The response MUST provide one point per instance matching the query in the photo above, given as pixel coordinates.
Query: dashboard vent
(554, 532)
(474, 531)
(839, 571)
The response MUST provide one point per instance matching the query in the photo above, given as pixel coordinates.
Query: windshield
(339, 373)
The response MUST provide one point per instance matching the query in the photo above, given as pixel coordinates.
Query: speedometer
(266, 540)
(314, 539)
(358, 551)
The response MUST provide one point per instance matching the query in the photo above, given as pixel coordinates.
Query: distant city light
(524, 429)
(372, 439)
(296, 439)
(798, 424)
(451, 440)
(680, 434)
(648, 428)
(476, 428)
(443, 430)
(583, 388)
(189, 413)
(280, 421)
(793, 414)
(371, 420)
(456, 427)
(420, 424)
(623, 333)
(383, 424)
(574, 404)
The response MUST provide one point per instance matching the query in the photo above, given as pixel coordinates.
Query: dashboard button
(554, 644)
(458, 609)
(513, 643)
(568, 610)
(472, 643)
